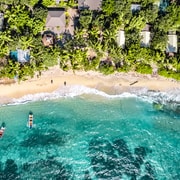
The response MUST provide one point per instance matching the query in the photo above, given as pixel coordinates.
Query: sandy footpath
(54, 78)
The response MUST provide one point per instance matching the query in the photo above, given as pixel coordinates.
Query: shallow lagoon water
(90, 137)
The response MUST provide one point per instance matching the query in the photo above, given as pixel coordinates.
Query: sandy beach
(55, 78)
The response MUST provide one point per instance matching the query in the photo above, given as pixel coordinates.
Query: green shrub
(144, 69)
(107, 70)
(169, 73)
(124, 68)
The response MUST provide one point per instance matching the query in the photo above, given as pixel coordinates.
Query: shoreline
(55, 78)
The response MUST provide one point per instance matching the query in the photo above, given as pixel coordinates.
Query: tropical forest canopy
(94, 43)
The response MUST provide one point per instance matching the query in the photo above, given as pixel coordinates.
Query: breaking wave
(170, 99)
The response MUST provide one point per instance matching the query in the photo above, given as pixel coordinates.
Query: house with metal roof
(172, 45)
(145, 38)
(58, 1)
(20, 55)
(135, 7)
(56, 20)
(145, 35)
(1, 21)
(121, 38)
(89, 4)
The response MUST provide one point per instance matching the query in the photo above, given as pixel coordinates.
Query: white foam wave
(64, 92)
(169, 100)
(160, 97)
(77, 90)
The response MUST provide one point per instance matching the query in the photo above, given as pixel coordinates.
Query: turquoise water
(90, 136)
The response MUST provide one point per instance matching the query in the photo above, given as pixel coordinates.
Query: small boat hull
(30, 120)
(1, 133)
(2, 129)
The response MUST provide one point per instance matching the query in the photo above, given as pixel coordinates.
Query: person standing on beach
(64, 83)
(51, 79)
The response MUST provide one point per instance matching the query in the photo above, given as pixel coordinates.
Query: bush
(144, 69)
(107, 70)
(169, 73)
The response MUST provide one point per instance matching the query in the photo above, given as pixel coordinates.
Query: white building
(121, 38)
(145, 35)
(135, 7)
(145, 38)
(172, 44)
(1, 21)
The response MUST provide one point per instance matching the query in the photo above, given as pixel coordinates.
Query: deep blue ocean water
(91, 136)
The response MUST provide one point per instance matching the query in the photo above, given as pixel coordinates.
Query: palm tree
(5, 38)
(109, 38)
(64, 59)
(4, 51)
(17, 17)
(29, 3)
(108, 7)
(136, 22)
(78, 58)
(26, 42)
(94, 34)
(86, 18)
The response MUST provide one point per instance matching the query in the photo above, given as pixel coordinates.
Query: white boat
(30, 120)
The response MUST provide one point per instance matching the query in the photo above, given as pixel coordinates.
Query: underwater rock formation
(112, 160)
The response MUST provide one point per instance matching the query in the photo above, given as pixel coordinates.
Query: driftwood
(133, 83)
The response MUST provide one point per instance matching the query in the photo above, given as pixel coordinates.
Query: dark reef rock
(48, 169)
(10, 171)
(87, 175)
(146, 177)
(140, 153)
(150, 170)
(112, 160)
(45, 138)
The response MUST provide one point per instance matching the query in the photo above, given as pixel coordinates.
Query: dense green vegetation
(94, 44)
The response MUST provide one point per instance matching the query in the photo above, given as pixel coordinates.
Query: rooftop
(56, 20)
(121, 38)
(172, 44)
(145, 38)
(20, 55)
(135, 7)
(1, 21)
(147, 27)
(89, 4)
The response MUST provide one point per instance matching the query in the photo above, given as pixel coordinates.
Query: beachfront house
(157, 3)
(135, 8)
(145, 36)
(172, 45)
(121, 38)
(89, 4)
(1, 21)
(56, 21)
(58, 1)
(21, 56)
